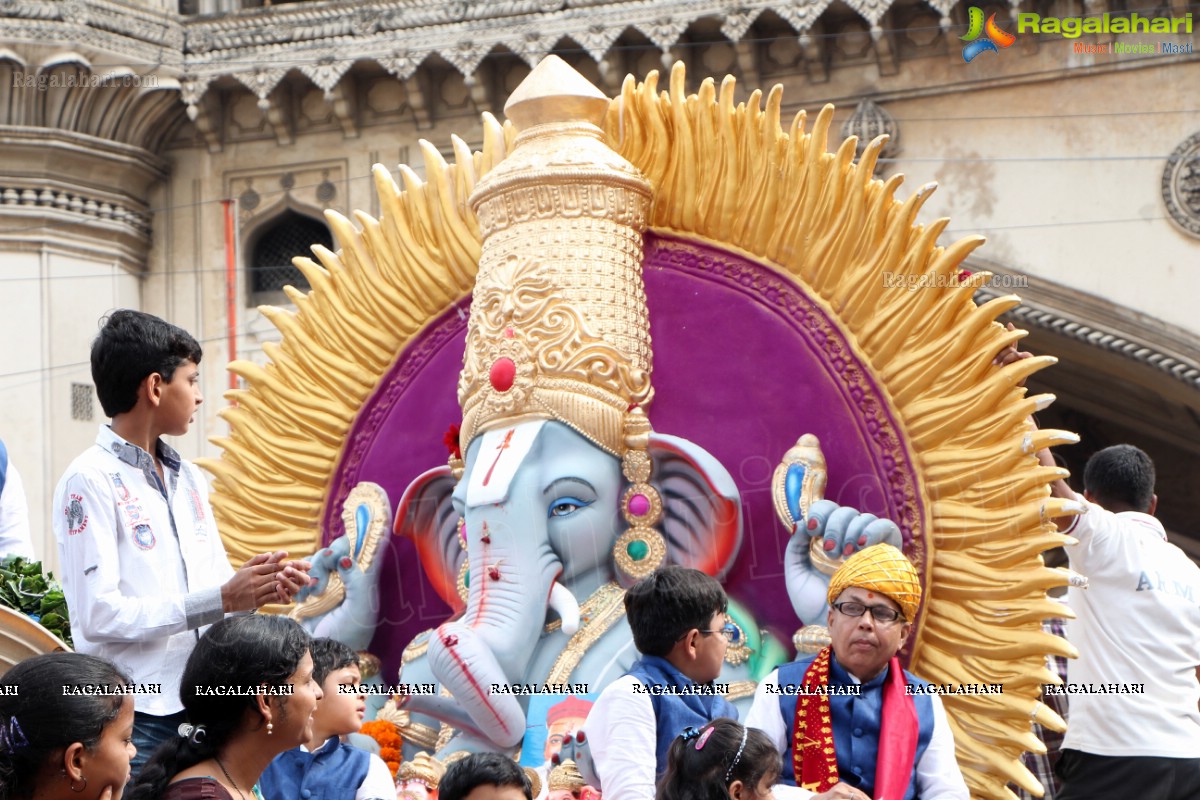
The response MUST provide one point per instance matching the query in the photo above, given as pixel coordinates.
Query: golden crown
(424, 768)
(566, 776)
(559, 327)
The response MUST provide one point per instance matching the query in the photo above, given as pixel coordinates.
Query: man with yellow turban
(851, 723)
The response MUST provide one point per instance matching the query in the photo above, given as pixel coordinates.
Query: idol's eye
(566, 506)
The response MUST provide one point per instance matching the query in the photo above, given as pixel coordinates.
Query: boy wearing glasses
(678, 620)
(845, 719)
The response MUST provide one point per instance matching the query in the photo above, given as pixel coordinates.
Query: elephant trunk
(512, 583)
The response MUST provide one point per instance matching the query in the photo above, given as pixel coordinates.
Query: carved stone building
(124, 126)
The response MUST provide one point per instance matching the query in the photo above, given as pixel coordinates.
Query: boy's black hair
(668, 603)
(1119, 477)
(329, 655)
(707, 773)
(482, 769)
(131, 346)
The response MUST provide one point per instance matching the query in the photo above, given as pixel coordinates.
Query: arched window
(288, 235)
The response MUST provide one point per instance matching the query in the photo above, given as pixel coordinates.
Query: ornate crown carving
(424, 768)
(559, 327)
(566, 776)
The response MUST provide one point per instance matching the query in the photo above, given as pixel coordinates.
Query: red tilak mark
(449, 640)
(500, 448)
(346, 562)
(493, 571)
(485, 538)
(870, 595)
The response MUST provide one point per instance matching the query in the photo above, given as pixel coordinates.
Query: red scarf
(814, 761)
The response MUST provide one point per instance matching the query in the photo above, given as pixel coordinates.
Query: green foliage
(25, 588)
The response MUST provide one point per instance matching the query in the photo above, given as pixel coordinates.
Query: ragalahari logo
(993, 37)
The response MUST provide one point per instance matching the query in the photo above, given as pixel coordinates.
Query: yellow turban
(884, 569)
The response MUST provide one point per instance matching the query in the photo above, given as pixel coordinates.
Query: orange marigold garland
(388, 736)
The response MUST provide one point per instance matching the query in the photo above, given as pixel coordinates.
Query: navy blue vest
(333, 772)
(856, 722)
(673, 712)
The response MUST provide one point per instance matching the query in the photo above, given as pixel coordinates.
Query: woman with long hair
(249, 695)
(66, 728)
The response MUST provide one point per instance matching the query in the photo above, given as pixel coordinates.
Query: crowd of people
(210, 701)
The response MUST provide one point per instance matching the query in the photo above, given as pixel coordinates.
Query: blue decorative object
(792, 487)
(362, 518)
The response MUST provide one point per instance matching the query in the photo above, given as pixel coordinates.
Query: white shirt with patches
(142, 563)
(1138, 622)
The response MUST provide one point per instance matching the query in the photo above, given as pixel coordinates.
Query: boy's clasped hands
(265, 578)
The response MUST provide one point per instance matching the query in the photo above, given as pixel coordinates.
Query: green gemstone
(637, 549)
(467, 579)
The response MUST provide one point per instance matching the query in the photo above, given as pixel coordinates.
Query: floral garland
(388, 736)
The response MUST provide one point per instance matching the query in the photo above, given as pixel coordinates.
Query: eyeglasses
(881, 614)
(730, 631)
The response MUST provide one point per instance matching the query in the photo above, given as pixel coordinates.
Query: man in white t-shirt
(1133, 692)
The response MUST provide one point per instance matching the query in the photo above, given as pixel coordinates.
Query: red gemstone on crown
(502, 374)
(508, 333)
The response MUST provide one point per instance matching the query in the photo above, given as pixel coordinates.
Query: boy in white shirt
(143, 566)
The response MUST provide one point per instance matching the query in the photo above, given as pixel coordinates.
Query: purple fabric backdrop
(744, 363)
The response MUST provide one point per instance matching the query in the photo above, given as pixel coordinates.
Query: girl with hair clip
(720, 761)
(249, 695)
(57, 744)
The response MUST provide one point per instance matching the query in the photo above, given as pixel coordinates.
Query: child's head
(339, 711)
(678, 614)
(720, 761)
(51, 740)
(485, 776)
(130, 350)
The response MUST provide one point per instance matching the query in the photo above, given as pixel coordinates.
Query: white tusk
(565, 605)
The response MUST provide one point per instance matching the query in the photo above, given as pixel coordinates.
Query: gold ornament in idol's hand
(559, 327)
(806, 452)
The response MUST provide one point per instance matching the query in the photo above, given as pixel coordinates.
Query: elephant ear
(426, 515)
(702, 508)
